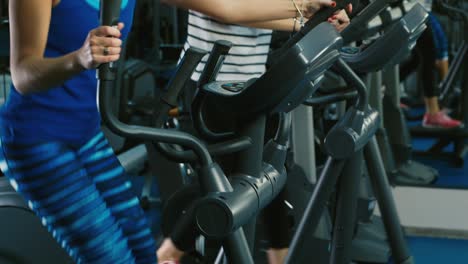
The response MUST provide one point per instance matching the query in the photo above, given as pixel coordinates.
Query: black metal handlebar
(110, 13)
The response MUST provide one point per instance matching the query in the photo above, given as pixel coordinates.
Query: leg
(431, 48)
(57, 188)
(109, 176)
(277, 255)
(426, 51)
(441, 47)
(275, 217)
(432, 105)
(442, 66)
(438, 46)
(181, 239)
(168, 251)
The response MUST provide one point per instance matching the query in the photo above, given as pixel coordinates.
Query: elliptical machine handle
(215, 61)
(213, 65)
(319, 17)
(109, 16)
(185, 69)
(358, 25)
(110, 13)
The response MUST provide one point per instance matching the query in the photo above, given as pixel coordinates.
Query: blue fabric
(69, 112)
(96, 3)
(95, 219)
(440, 40)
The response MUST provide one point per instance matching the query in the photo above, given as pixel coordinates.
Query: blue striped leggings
(83, 198)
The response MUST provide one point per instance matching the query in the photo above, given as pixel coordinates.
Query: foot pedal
(415, 173)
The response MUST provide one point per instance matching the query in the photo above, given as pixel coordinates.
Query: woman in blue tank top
(52, 149)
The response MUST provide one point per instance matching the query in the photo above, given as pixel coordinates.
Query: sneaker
(446, 110)
(440, 120)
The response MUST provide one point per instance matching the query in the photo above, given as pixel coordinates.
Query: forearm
(241, 11)
(288, 24)
(33, 74)
(339, 20)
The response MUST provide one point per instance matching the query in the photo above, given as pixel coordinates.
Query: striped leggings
(83, 198)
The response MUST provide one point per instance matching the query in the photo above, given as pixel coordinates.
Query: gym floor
(438, 250)
(450, 176)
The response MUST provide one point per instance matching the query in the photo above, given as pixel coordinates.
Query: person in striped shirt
(248, 25)
(250, 38)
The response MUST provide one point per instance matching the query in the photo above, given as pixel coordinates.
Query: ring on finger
(106, 51)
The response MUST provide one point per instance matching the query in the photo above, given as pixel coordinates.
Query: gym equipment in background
(454, 86)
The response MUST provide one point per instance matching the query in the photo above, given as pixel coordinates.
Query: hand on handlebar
(310, 7)
(102, 45)
(340, 19)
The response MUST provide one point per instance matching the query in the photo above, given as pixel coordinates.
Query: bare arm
(31, 72)
(282, 24)
(250, 11)
(340, 21)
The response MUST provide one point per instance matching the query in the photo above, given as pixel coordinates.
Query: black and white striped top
(247, 56)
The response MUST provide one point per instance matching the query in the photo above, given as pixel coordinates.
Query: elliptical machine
(24, 239)
(261, 186)
(232, 205)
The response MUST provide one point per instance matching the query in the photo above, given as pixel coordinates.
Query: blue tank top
(69, 112)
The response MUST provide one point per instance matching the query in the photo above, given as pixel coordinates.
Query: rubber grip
(215, 61)
(109, 16)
